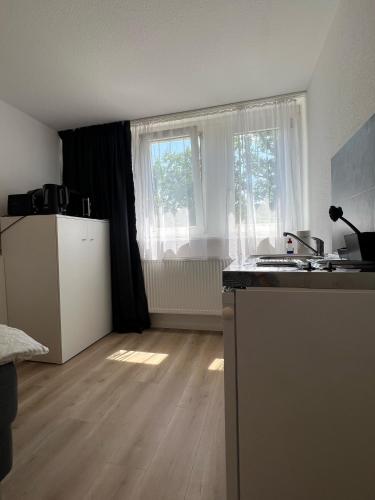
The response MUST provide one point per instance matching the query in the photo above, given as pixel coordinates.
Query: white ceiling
(77, 62)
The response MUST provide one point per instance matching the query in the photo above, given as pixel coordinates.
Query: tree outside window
(255, 174)
(173, 178)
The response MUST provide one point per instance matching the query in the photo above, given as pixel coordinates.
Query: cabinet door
(84, 270)
(99, 278)
(74, 275)
(230, 384)
(306, 387)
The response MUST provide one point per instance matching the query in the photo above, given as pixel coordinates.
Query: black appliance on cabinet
(29, 203)
(20, 204)
(79, 206)
(51, 199)
(55, 199)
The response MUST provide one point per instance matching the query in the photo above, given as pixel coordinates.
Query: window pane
(172, 169)
(255, 178)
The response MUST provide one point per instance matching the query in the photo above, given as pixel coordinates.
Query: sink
(285, 256)
(282, 260)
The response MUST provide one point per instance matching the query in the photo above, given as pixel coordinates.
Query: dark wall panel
(353, 182)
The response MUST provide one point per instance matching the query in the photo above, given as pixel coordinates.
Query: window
(220, 183)
(255, 179)
(174, 157)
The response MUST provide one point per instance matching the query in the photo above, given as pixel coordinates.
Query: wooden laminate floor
(134, 417)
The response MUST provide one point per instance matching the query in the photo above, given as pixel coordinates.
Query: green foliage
(173, 183)
(254, 171)
(254, 176)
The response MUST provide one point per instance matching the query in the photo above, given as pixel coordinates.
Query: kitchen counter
(299, 350)
(249, 274)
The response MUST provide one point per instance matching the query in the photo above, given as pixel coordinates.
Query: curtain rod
(218, 109)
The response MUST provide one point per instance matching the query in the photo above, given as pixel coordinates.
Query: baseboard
(187, 321)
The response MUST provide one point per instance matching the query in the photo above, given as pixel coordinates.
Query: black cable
(13, 223)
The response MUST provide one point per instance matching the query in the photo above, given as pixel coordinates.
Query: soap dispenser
(289, 246)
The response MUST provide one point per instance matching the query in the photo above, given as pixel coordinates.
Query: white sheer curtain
(225, 183)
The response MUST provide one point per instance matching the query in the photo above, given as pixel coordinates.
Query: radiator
(184, 287)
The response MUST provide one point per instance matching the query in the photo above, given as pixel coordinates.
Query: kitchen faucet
(318, 251)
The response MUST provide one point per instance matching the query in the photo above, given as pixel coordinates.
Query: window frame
(191, 132)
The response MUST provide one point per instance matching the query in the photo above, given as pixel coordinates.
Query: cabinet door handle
(228, 313)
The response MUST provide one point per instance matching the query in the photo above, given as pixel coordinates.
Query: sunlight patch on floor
(217, 365)
(147, 358)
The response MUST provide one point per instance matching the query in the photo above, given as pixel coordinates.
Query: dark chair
(8, 411)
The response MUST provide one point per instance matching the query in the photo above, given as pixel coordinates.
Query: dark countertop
(249, 274)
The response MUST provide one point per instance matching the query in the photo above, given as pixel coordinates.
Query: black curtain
(97, 163)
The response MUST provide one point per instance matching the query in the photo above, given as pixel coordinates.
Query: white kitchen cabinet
(58, 288)
(300, 394)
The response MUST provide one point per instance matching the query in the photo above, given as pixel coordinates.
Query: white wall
(29, 158)
(340, 98)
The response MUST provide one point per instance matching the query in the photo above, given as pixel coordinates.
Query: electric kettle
(55, 199)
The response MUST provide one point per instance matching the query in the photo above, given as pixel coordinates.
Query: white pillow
(16, 345)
